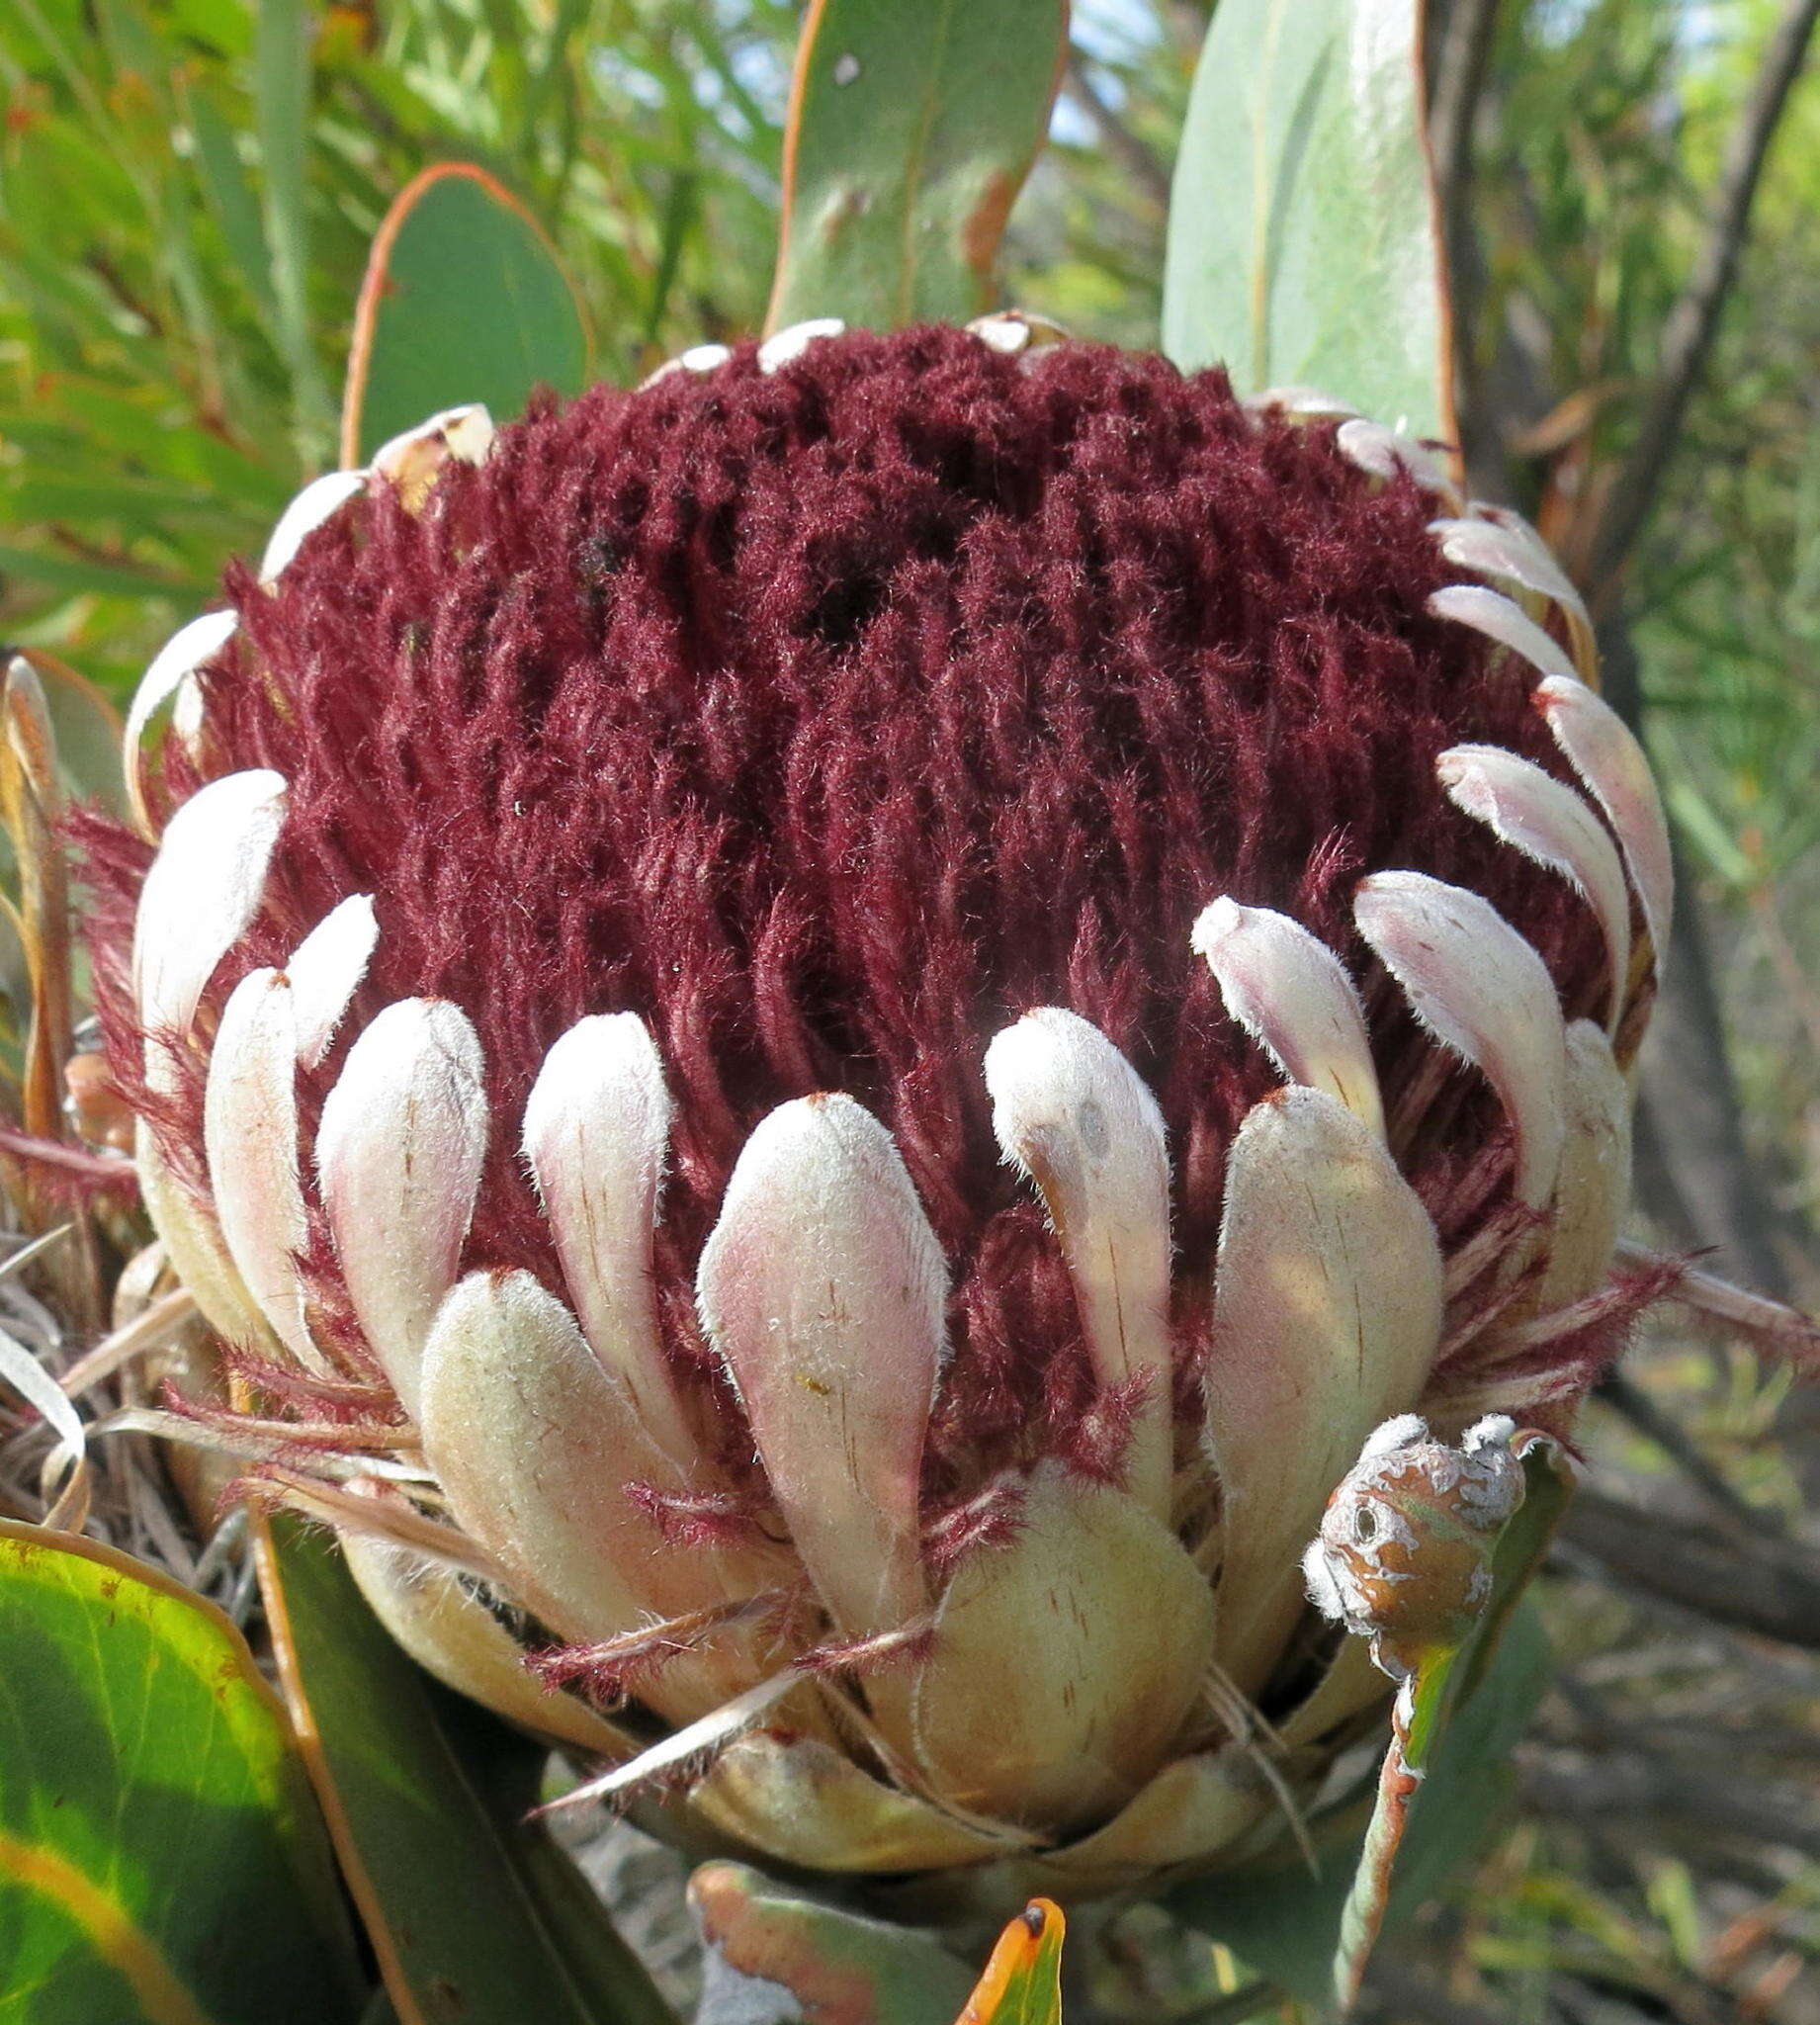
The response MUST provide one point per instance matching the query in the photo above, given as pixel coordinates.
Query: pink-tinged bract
(874, 1003)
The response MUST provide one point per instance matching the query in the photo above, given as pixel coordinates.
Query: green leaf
(160, 1857)
(842, 1968)
(281, 70)
(911, 130)
(465, 299)
(1469, 1776)
(1284, 1923)
(63, 573)
(475, 1917)
(231, 196)
(1302, 246)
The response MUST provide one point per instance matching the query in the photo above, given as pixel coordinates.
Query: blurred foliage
(1591, 184)
(182, 238)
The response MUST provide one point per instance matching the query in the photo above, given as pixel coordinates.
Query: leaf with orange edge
(465, 299)
(1022, 1983)
(910, 132)
(161, 1858)
(842, 1968)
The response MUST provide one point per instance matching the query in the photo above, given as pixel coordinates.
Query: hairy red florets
(828, 719)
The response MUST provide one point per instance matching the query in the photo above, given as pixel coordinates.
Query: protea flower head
(827, 1036)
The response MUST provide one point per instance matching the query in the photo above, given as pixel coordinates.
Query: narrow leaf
(425, 1796)
(30, 812)
(911, 130)
(229, 194)
(464, 301)
(1432, 1698)
(281, 80)
(98, 580)
(1303, 248)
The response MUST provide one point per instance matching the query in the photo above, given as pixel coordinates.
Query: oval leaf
(160, 1855)
(465, 299)
(475, 1917)
(911, 130)
(1302, 247)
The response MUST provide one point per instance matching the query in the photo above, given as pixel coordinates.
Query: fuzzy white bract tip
(319, 503)
(785, 346)
(202, 890)
(1293, 996)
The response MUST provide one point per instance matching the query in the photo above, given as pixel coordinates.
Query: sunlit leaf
(475, 1917)
(161, 1858)
(1022, 1983)
(465, 299)
(1303, 248)
(911, 130)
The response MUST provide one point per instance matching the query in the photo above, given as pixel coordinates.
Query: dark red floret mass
(831, 718)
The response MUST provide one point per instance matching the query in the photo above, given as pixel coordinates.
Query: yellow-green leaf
(162, 1860)
(911, 130)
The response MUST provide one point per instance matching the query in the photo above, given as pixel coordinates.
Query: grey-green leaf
(1303, 246)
